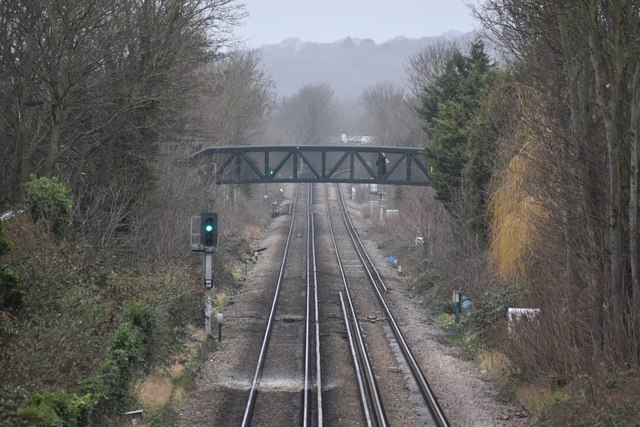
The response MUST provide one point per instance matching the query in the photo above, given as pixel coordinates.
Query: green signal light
(209, 229)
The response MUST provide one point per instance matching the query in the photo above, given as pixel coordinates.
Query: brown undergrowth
(552, 396)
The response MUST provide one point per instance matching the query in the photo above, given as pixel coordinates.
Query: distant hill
(349, 65)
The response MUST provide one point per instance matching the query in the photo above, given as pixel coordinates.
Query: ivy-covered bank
(79, 325)
(105, 390)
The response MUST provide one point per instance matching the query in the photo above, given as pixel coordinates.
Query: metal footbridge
(314, 163)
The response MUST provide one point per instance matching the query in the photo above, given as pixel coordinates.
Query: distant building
(356, 139)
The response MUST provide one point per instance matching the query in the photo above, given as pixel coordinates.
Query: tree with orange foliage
(573, 168)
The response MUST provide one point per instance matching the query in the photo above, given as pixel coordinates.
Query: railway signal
(204, 238)
(209, 229)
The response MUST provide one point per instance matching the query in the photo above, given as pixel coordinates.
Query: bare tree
(235, 98)
(423, 67)
(308, 117)
(390, 116)
(237, 95)
(91, 86)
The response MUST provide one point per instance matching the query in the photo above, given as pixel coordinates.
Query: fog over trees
(348, 65)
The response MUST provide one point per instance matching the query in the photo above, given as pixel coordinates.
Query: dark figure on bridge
(381, 163)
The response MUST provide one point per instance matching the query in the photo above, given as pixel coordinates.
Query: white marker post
(220, 320)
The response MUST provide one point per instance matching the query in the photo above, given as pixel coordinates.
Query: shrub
(141, 317)
(126, 344)
(106, 389)
(50, 201)
(492, 311)
(57, 409)
(10, 293)
(5, 245)
(43, 409)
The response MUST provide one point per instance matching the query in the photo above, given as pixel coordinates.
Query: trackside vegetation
(49, 201)
(536, 163)
(106, 389)
(74, 339)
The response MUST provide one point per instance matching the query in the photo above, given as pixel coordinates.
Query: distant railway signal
(209, 229)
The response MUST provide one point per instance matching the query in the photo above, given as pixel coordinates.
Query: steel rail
(356, 363)
(373, 273)
(311, 302)
(306, 390)
(251, 401)
(317, 328)
(312, 284)
(421, 381)
(369, 393)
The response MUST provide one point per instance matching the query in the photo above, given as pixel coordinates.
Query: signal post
(206, 241)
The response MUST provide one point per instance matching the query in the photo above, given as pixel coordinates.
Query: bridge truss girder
(313, 163)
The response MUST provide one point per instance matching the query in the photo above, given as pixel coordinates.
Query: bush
(105, 390)
(492, 311)
(49, 201)
(42, 409)
(5, 245)
(141, 317)
(10, 293)
(57, 409)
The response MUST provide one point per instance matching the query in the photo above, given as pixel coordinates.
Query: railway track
(288, 375)
(331, 352)
(374, 405)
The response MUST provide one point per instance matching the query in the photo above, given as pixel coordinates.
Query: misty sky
(271, 21)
